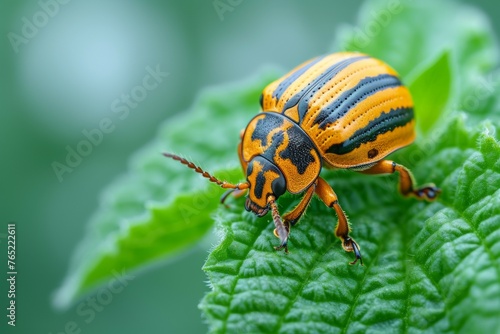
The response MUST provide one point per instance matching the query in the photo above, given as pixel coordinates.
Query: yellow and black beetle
(343, 110)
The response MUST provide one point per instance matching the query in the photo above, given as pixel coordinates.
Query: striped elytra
(349, 104)
(344, 110)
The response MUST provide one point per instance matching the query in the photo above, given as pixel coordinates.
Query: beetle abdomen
(353, 107)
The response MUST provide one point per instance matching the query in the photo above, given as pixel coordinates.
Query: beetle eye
(279, 186)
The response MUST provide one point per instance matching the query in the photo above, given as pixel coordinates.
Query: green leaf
(428, 267)
(161, 208)
(430, 92)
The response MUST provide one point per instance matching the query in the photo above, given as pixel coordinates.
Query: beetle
(344, 110)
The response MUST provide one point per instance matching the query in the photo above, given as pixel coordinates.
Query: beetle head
(265, 181)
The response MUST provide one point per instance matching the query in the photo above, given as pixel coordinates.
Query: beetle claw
(428, 192)
(283, 246)
(350, 245)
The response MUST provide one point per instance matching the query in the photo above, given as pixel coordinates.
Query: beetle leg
(328, 196)
(293, 216)
(428, 192)
(282, 230)
(235, 192)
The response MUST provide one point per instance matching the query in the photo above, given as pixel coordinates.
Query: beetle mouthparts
(251, 206)
(262, 212)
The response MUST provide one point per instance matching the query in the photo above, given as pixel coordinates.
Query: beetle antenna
(210, 177)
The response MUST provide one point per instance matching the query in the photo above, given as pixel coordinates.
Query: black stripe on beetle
(260, 181)
(341, 106)
(312, 87)
(384, 123)
(282, 87)
(322, 81)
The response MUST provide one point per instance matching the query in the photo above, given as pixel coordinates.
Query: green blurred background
(64, 79)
